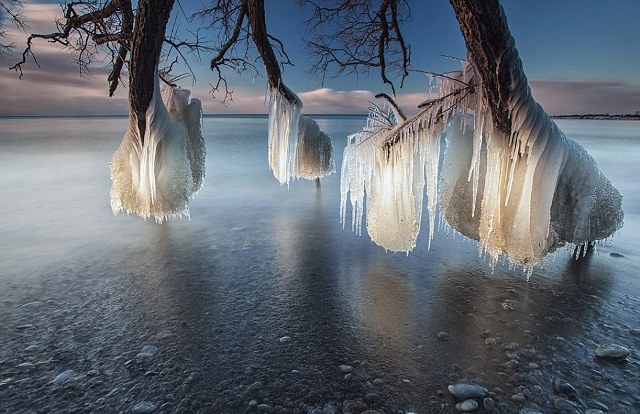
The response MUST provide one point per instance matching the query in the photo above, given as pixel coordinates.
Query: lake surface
(255, 302)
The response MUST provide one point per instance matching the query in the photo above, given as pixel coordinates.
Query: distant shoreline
(626, 117)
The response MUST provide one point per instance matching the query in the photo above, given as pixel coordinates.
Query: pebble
(563, 387)
(612, 351)
(519, 397)
(378, 381)
(264, 407)
(634, 332)
(144, 407)
(509, 305)
(148, 351)
(284, 339)
(594, 411)
(488, 404)
(32, 305)
(345, 369)
(64, 376)
(490, 341)
(255, 387)
(467, 391)
(443, 335)
(512, 364)
(467, 406)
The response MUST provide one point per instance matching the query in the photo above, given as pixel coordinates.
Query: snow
(297, 146)
(520, 196)
(157, 178)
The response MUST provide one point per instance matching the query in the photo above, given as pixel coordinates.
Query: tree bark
(146, 45)
(492, 53)
(256, 15)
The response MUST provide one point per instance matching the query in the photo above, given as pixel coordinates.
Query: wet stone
(443, 335)
(144, 407)
(284, 339)
(594, 411)
(378, 381)
(612, 351)
(519, 397)
(255, 387)
(467, 391)
(488, 404)
(563, 387)
(345, 369)
(148, 351)
(64, 376)
(264, 408)
(467, 406)
(512, 364)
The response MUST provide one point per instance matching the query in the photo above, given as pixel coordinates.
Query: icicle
(314, 151)
(159, 177)
(535, 189)
(284, 116)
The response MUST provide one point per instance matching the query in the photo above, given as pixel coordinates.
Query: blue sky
(580, 57)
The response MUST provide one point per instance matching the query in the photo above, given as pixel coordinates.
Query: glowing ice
(297, 146)
(159, 177)
(520, 196)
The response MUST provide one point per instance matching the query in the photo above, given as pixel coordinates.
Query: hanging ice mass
(297, 146)
(510, 179)
(156, 175)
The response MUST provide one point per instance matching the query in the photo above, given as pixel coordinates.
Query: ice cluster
(297, 146)
(156, 175)
(520, 195)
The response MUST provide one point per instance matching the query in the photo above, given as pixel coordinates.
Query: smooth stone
(148, 351)
(614, 254)
(378, 381)
(284, 339)
(529, 411)
(467, 391)
(144, 407)
(519, 397)
(35, 304)
(612, 351)
(512, 364)
(488, 404)
(563, 387)
(64, 376)
(443, 335)
(345, 369)
(490, 341)
(594, 411)
(256, 386)
(467, 406)
(264, 407)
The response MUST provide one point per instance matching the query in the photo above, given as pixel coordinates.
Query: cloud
(558, 96)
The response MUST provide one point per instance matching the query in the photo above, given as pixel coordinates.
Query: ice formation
(156, 176)
(520, 196)
(297, 146)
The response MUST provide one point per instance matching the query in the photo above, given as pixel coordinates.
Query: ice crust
(297, 146)
(158, 178)
(520, 196)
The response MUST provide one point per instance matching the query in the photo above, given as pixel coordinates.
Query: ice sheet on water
(520, 196)
(158, 178)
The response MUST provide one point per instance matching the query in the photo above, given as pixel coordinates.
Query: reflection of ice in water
(520, 196)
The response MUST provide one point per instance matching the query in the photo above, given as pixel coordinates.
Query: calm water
(83, 290)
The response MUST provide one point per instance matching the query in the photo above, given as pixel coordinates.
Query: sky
(580, 56)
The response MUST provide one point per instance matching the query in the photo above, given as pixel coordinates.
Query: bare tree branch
(10, 13)
(359, 40)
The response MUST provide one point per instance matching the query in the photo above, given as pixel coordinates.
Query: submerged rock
(144, 407)
(612, 351)
(467, 391)
(467, 406)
